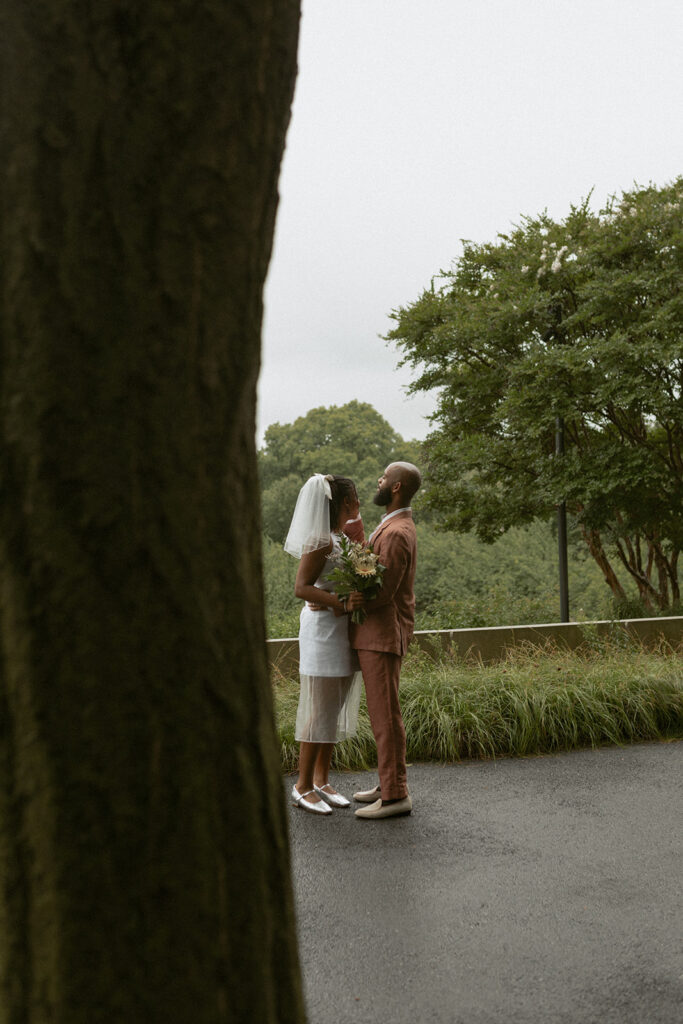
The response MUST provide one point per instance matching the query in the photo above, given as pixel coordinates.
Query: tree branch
(647, 591)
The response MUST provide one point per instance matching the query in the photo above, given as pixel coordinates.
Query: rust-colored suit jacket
(391, 615)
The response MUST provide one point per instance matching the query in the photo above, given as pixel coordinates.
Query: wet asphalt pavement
(524, 890)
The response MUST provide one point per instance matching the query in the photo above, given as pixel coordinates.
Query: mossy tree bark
(143, 847)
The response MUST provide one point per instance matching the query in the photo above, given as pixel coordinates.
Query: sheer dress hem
(328, 708)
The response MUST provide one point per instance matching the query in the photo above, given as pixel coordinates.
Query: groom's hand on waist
(339, 607)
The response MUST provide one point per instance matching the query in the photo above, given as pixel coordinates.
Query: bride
(330, 680)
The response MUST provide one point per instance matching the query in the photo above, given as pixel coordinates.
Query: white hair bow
(326, 484)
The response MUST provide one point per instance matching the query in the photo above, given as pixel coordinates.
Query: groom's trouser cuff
(381, 674)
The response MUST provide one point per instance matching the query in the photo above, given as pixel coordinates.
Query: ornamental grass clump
(534, 702)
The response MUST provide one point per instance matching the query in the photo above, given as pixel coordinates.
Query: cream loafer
(319, 807)
(336, 799)
(379, 810)
(367, 796)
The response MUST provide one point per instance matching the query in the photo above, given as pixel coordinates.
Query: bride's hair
(341, 487)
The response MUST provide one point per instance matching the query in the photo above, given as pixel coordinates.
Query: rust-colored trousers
(381, 671)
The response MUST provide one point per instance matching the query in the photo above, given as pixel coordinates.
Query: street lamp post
(562, 531)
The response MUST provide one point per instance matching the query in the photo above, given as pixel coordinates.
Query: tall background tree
(580, 320)
(144, 869)
(352, 440)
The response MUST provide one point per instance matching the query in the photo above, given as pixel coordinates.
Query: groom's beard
(382, 497)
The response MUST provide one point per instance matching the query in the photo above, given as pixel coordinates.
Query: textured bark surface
(143, 848)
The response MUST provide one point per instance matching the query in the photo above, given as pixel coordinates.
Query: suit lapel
(383, 525)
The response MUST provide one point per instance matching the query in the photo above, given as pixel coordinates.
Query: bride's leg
(321, 770)
(308, 754)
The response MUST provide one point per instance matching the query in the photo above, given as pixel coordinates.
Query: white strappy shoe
(299, 799)
(336, 799)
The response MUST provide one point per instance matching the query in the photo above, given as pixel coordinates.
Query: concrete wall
(490, 643)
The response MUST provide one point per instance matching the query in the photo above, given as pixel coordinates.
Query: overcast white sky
(420, 122)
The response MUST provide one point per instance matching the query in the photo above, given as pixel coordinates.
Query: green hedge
(535, 702)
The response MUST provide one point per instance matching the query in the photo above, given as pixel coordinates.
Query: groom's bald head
(407, 475)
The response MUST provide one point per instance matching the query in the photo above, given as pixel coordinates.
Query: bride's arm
(310, 567)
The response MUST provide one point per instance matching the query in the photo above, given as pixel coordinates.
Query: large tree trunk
(143, 849)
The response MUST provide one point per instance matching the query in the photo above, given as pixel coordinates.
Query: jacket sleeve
(355, 530)
(395, 554)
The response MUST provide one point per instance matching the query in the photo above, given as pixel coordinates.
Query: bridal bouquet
(360, 569)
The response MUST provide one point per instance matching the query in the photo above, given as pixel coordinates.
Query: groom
(382, 640)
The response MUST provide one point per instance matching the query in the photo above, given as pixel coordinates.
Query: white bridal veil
(310, 526)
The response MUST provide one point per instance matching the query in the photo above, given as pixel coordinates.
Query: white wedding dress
(331, 683)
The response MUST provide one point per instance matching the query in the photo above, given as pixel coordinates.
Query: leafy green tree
(579, 320)
(462, 581)
(352, 440)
